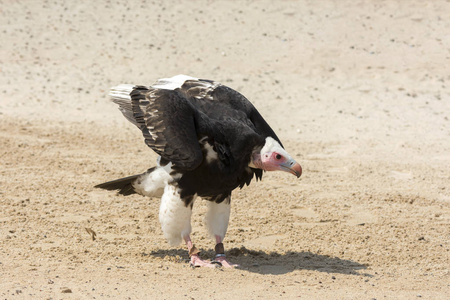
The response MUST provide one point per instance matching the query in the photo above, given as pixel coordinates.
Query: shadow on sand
(276, 263)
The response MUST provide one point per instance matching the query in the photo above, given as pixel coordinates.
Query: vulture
(210, 140)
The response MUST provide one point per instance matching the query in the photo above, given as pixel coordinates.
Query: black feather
(124, 185)
(177, 123)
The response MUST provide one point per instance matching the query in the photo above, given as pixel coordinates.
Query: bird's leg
(196, 261)
(217, 217)
(220, 254)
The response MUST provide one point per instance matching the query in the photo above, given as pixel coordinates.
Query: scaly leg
(220, 254)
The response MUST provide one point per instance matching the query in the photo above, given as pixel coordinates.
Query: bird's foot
(197, 262)
(223, 262)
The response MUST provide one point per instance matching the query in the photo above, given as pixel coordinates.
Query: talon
(220, 259)
(197, 262)
(218, 263)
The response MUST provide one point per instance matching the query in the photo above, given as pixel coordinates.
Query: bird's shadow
(275, 263)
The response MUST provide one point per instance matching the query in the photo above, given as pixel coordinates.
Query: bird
(210, 140)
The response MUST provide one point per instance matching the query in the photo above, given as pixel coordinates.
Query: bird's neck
(255, 161)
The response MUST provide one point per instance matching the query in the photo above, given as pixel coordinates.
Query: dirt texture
(358, 91)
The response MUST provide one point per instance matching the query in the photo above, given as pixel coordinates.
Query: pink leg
(196, 261)
(220, 254)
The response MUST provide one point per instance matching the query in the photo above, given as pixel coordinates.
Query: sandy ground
(359, 92)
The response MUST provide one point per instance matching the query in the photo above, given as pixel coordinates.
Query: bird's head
(272, 157)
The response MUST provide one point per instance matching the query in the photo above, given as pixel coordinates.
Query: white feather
(174, 216)
(272, 145)
(211, 155)
(121, 92)
(172, 83)
(152, 184)
(217, 218)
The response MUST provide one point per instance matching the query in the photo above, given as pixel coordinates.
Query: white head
(273, 157)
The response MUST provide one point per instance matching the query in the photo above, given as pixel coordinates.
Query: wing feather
(166, 115)
(214, 91)
(167, 121)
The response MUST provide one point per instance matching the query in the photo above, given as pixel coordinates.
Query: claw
(218, 263)
(223, 262)
(197, 262)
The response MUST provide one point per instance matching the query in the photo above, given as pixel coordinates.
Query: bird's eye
(278, 156)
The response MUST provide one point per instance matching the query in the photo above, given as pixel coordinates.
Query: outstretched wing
(210, 90)
(166, 116)
(167, 121)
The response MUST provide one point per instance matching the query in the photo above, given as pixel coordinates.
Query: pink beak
(292, 167)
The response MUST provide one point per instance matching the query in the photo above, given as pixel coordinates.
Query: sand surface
(358, 91)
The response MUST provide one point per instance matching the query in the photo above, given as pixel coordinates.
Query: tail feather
(124, 185)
